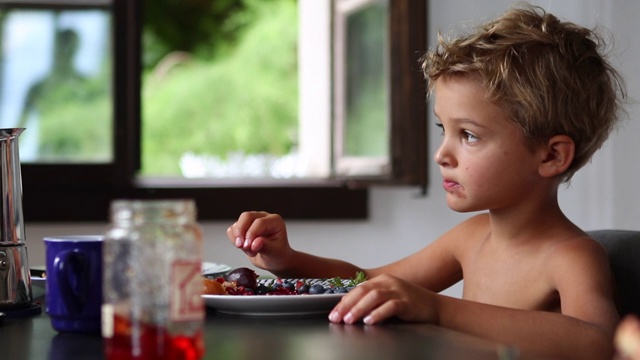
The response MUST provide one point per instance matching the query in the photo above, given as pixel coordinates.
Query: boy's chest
(521, 283)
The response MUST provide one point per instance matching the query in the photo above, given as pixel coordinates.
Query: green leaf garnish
(354, 281)
(335, 282)
(358, 279)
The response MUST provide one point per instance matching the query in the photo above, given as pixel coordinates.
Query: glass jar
(152, 304)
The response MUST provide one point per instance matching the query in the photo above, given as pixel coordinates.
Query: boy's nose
(443, 156)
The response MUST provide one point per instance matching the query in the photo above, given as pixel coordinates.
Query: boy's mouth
(449, 185)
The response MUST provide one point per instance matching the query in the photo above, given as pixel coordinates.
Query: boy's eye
(469, 137)
(441, 127)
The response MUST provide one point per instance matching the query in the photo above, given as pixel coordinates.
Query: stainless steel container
(15, 280)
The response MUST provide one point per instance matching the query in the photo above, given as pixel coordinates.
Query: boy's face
(483, 158)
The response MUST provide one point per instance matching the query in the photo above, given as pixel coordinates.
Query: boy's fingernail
(246, 243)
(368, 320)
(238, 241)
(348, 318)
(334, 317)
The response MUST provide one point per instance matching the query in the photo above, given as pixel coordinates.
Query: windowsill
(308, 200)
(179, 182)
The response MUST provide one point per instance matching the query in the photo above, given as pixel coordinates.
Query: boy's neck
(533, 220)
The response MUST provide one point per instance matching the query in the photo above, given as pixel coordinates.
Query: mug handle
(72, 274)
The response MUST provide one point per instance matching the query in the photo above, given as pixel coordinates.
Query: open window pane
(367, 97)
(362, 87)
(380, 98)
(362, 77)
(56, 81)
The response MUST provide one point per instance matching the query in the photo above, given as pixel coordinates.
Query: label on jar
(186, 303)
(107, 321)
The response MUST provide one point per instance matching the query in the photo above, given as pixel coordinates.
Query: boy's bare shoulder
(578, 255)
(577, 246)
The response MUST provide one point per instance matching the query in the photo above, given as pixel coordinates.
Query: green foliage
(75, 117)
(205, 28)
(245, 101)
(187, 25)
(77, 132)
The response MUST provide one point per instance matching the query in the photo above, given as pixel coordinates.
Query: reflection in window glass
(367, 95)
(55, 80)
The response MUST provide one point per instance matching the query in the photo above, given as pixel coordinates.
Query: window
(70, 189)
(56, 74)
(361, 83)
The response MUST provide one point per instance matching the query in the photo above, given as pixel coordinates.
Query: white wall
(605, 194)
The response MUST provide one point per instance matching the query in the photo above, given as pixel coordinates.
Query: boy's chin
(459, 207)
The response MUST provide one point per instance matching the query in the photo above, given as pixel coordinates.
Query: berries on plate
(244, 281)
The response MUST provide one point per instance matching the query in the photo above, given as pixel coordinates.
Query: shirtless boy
(523, 103)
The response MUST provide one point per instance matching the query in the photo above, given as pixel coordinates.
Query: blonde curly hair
(550, 77)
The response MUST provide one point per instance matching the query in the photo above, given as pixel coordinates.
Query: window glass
(55, 81)
(365, 80)
(362, 88)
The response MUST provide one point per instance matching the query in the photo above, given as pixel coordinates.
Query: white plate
(276, 305)
(38, 287)
(214, 269)
(38, 283)
(273, 305)
(208, 268)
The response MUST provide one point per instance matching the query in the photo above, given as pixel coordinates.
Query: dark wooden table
(259, 338)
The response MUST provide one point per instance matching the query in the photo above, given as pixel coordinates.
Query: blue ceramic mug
(74, 282)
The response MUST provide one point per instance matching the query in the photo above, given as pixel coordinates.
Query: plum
(243, 277)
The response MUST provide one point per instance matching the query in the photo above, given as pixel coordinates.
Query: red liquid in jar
(154, 343)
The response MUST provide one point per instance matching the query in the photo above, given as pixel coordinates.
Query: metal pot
(15, 280)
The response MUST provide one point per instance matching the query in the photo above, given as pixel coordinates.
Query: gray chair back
(623, 247)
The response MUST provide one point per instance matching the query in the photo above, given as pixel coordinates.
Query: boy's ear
(557, 156)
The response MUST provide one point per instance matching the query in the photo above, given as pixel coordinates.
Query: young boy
(523, 103)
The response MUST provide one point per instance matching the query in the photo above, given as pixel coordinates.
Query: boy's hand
(263, 238)
(383, 297)
(627, 338)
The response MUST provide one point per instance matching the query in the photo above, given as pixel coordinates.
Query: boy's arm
(263, 238)
(538, 333)
(579, 270)
(434, 267)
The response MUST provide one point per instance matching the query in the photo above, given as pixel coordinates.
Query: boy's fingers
(257, 245)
